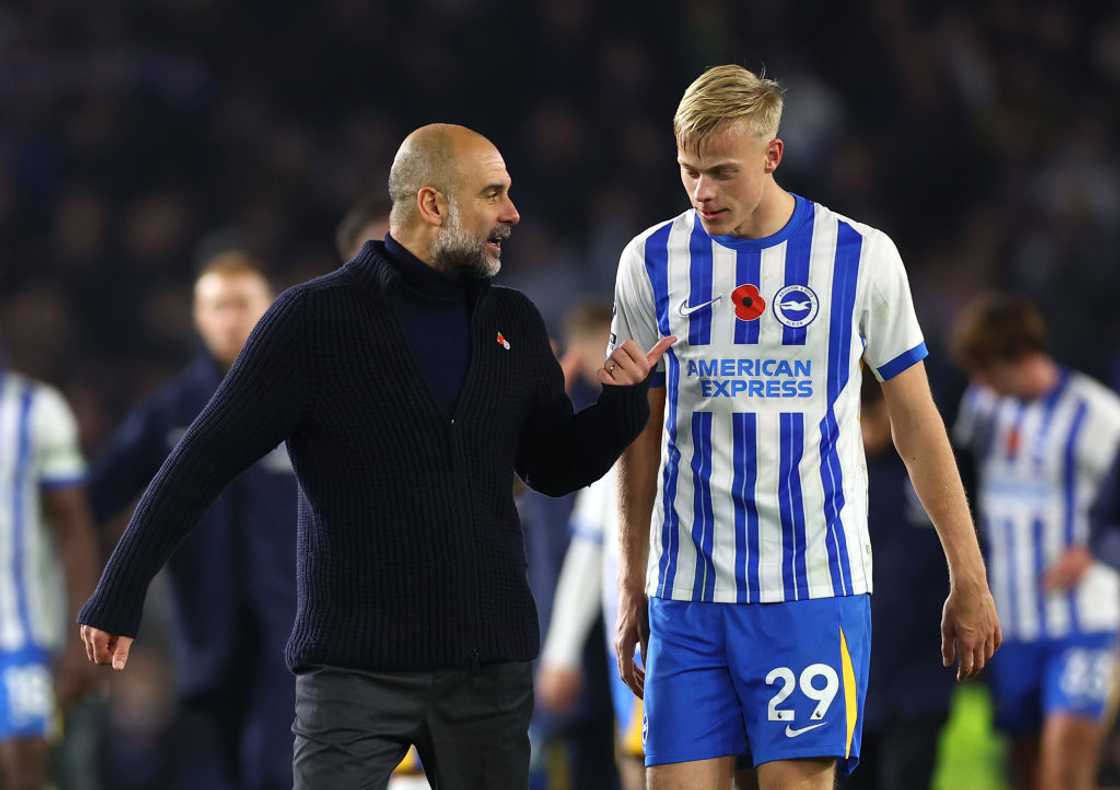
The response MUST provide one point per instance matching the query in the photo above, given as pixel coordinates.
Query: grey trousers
(469, 726)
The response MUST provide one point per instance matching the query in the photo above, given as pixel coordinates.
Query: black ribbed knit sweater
(410, 554)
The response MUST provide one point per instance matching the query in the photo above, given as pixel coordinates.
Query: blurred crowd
(138, 136)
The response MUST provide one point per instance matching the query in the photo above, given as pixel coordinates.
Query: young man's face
(726, 178)
(226, 308)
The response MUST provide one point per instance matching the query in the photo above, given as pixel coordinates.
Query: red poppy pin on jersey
(503, 342)
(749, 304)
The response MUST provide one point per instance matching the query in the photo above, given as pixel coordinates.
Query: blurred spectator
(368, 219)
(234, 577)
(50, 562)
(909, 690)
(1043, 438)
(581, 730)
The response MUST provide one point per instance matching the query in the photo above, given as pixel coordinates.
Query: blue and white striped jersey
(762, 494)
(38, 448)
(1040, 464)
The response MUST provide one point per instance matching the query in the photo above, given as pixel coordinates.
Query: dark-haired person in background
(367, 220)
(1043, 438)
(233, 578)
(409, 392)
(908, 690)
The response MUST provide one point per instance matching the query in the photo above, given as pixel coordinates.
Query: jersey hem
(684, 595)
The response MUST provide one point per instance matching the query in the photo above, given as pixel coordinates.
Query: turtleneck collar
(419, 276)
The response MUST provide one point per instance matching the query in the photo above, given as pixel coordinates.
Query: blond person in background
(233, 580)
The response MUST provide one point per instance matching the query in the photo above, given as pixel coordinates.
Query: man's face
(726, 178)
(226, 308)
(481, 214)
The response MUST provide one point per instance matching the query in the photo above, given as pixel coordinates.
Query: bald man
(409, 392)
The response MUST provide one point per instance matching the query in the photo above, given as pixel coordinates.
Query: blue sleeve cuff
(657, 379)
(49, 483)
(903, 361)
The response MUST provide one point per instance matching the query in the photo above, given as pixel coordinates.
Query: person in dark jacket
(232, 579)
(908, 692)
(409, 393)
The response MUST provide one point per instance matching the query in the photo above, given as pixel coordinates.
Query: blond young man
(743, 503)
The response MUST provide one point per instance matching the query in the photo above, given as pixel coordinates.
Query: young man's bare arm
(637, 481)
(970, 629)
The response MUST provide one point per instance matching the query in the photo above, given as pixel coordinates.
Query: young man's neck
(771, 214)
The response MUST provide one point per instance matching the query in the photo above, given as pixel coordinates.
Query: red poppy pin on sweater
(503, 342)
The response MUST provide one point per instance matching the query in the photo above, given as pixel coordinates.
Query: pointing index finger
(659, 348)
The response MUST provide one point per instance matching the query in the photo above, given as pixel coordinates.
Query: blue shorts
(1032, 680)
(789, 678)
(26, 694)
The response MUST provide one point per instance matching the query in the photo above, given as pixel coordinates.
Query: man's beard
(458, 252)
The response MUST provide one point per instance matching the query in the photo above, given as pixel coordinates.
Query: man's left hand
(628, 365)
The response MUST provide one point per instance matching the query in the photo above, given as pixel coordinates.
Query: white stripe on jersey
(1040, 464)
(38, 446)
(762, 492)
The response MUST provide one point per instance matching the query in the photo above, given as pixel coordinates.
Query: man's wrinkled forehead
(485, 166)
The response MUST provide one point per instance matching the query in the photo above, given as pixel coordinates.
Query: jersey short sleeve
(634, 311)
(1101, 435)
(890, 327)
(58, 457)
(976, 404)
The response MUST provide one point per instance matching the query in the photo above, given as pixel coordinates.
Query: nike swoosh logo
(686, 309)
(792, 733)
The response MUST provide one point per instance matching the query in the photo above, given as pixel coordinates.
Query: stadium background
(982, 137)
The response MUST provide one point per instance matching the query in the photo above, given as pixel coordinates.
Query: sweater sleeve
(261, 400)
(560, 451)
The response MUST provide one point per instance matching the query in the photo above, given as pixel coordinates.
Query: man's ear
(432, 206)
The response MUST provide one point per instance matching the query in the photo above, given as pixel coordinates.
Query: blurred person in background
(908, 691)
(1043, 438)
(575, 675)
(367, 220)
(745, 570)
(414, 623)
(575, 743)
(48, 564)
(586, 588)
(233, 578)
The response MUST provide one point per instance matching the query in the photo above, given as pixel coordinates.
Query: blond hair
(725, 94)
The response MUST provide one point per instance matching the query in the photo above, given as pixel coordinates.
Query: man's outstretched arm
(257, 405)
